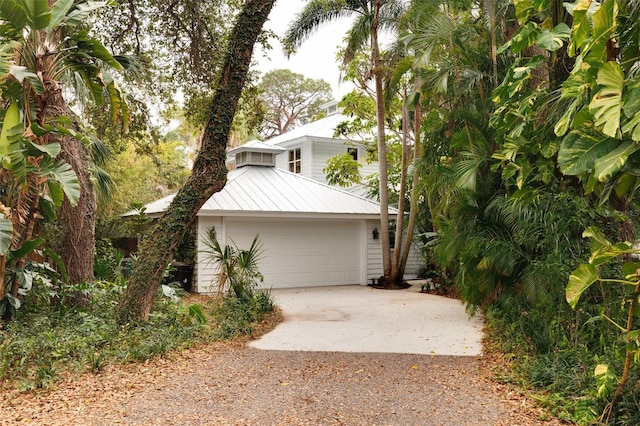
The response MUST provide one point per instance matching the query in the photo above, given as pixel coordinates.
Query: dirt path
(235, 385)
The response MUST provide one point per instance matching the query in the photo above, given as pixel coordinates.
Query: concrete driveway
(363, 319)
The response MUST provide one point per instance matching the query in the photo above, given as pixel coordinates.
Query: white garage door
(303, 253)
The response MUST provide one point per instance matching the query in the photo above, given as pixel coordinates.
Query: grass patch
(54, 341)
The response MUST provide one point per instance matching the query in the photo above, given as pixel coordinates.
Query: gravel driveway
(218, 385)
(233, 384)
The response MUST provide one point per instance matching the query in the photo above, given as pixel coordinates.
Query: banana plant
(34, 185)
(40, 47)
(587, 274)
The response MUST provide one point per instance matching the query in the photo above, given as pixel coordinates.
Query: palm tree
(372, 16)
(46, 46)
(454, 72)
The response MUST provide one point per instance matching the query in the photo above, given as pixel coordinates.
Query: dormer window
(295, 160)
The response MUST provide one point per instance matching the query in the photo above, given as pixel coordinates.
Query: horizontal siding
(374, 252)
(282, 161)
(414, 262)
(206, 271)
(368, 169)
(322, 152)
(374, 256)
(307, 159)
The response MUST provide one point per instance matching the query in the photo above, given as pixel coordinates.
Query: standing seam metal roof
(269, 189)
(323, 128)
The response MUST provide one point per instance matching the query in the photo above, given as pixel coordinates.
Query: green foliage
(290, 100)
(45, 46)
(602, 91)
(108, 260)
(51, 339)
(237, 316)
(196, 31)
(602, 253)
(505, 151)
(343, 170)
(237, 268)
(161, 167)
(513, 246)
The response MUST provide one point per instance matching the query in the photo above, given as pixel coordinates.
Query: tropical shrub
(237, 268)
(51, 338)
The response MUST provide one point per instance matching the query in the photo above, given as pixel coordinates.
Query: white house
(312, 234)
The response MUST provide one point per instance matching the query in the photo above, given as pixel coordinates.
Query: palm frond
(104, 183)
(357, 37)
(314, 15)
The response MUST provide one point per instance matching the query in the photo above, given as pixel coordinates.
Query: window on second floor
(295, 161)
(353, 152)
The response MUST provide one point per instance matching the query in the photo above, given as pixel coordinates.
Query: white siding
(374, 252)
(414, 262)
(206, 273)
(374, 256)
(368, 169)
(282, 161)
(306, 156)
(322, 151)
(307, 159)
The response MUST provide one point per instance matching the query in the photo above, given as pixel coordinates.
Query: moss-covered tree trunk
(209, 173)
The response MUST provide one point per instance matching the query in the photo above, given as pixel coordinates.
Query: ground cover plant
(50, 340)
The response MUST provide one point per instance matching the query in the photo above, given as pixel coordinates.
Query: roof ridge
(332, 187)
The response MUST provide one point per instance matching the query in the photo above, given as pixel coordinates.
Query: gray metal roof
(323, 128)
(269, 190)
(256, 146)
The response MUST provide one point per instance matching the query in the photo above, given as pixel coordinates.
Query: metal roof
(256, 146)
(323, 128)
(268, 190)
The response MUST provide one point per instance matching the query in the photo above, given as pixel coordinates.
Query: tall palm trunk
(396, 273)
(77, 223)
(209, 173)
(413, 209)
(378, 75)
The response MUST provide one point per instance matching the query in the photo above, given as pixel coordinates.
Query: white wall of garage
(297, 252)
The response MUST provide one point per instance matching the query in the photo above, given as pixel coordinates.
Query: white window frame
(295, 160)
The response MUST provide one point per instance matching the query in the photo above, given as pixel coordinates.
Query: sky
(316, 58)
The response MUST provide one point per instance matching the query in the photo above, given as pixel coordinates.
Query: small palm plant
(237, 268)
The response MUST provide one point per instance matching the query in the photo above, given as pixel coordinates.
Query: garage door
(303, 253)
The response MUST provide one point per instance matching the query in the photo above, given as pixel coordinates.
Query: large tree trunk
(209, 173)
(78, 223)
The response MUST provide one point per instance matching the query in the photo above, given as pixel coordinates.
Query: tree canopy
(290, 100)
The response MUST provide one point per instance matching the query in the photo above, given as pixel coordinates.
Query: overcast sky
(316, 58)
